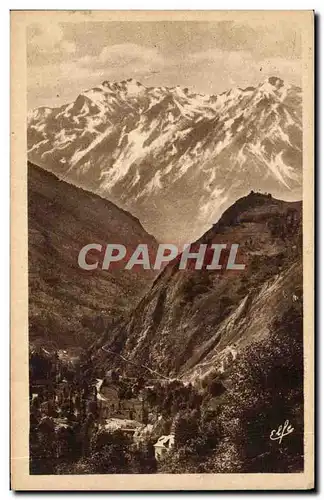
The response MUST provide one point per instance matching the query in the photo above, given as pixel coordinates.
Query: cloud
(121, 61)
(45, 38)
(216, 56)
(48, 40)
(238, 68)
(58, 69)
(129, 53)
(68, 47)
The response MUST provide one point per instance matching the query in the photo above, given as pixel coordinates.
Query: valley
(167, 368)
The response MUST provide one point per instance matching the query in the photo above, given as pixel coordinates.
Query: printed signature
(281, 432)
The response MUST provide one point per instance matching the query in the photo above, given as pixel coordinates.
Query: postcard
(162, 248)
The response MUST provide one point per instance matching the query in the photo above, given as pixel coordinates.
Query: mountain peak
(123, 84)
(275, 81)
(132, 80)
(274, 87)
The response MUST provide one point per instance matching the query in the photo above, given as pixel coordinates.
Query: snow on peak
(130, 85)
(38, 113)
(134, 87)
(135, 82)
(275, 81)
(274, 87)
(142, 138)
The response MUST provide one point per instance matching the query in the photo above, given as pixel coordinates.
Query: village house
(108, 402)
(110, 406)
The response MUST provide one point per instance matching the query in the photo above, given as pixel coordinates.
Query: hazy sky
(65, 59)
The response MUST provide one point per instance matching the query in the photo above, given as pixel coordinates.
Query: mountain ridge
(190, 320)
(174, 158)
(67, 305)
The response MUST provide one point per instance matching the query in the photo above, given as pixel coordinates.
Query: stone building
(163, 445)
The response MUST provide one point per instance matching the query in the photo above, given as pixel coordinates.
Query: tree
(109, 453)
(266, 390)
(43, 448)
(143, 458)
(186, 429)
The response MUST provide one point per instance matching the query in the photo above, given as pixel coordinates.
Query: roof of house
(121, 423)
(165, 441)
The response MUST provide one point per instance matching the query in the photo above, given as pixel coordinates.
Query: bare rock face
(69, 306)
(174, 159)
(192, 324)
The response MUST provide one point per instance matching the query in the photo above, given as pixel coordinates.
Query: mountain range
(213, 356)
(173, 158)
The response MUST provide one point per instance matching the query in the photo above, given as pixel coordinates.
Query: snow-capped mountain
(173, 158)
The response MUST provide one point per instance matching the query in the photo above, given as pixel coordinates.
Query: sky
(64, 59)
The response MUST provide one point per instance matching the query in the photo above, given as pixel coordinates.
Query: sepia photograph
(162, 245)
